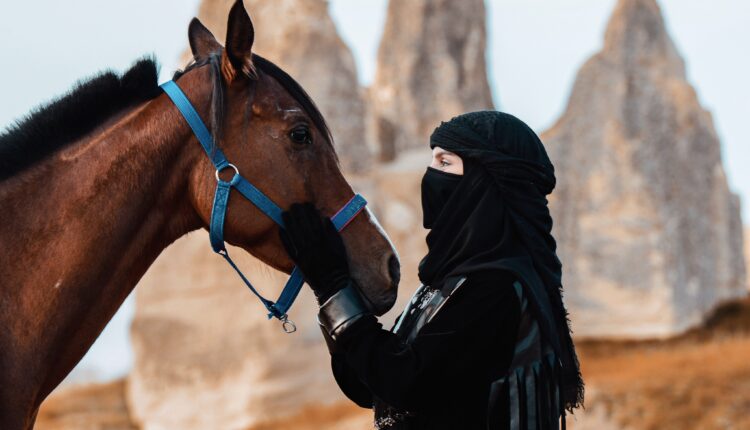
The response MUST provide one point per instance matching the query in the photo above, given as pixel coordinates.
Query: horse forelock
(260, 65)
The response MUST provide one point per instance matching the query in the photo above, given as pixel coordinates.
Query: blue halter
(341, 219)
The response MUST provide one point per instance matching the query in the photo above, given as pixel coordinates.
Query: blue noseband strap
(341, 219)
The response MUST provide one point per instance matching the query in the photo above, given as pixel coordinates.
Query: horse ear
(240, 36)
(202, 42)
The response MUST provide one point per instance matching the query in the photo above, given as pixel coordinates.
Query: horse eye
(301, 136)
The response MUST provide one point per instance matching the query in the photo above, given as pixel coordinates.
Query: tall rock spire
(649, 233)
(431, 66)
(637, 39)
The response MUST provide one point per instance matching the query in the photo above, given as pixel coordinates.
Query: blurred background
(642, 106)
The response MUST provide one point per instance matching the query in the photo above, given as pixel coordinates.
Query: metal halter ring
(236, 171)
(288, 325)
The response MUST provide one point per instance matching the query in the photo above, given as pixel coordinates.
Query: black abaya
(443, 377)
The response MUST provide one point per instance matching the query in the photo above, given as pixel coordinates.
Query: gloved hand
(314, 244)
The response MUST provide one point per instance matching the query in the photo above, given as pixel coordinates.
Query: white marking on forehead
(58, 283)
(291, 112)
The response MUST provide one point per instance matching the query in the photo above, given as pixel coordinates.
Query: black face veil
(497, 217)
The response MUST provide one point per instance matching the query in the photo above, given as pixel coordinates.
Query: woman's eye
(301, 136)
(444, 163)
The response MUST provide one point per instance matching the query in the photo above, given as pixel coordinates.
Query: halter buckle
(287, 324)
(236, 171)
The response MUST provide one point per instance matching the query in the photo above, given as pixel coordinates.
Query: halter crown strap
(340, 220)
(196, 124)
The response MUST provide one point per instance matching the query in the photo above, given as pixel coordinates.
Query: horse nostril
(394, 270)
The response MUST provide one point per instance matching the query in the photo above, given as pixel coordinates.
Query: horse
(96, 184)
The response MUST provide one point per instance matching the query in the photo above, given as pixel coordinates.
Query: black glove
(314, 244)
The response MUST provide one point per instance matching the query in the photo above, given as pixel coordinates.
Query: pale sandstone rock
(649, 234)
(431, 67)
(301, 38)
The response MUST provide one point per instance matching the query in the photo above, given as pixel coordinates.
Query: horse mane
(52, 126)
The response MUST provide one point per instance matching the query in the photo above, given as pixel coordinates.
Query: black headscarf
(498, 218)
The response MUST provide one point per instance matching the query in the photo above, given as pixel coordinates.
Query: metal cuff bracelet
(341, 310)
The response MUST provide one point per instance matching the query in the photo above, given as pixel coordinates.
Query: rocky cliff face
(649, 233)
(300, 37)
(431, 66)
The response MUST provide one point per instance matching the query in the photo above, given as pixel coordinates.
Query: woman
(485, 341)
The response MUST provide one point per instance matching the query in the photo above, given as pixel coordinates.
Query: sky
(535, 48)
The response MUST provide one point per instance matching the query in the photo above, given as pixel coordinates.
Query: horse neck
(84, 228)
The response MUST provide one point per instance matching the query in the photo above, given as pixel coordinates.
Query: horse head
(272, 132)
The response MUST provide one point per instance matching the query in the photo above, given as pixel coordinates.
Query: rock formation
(649, 234)
(431, 66)
(300, 37)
